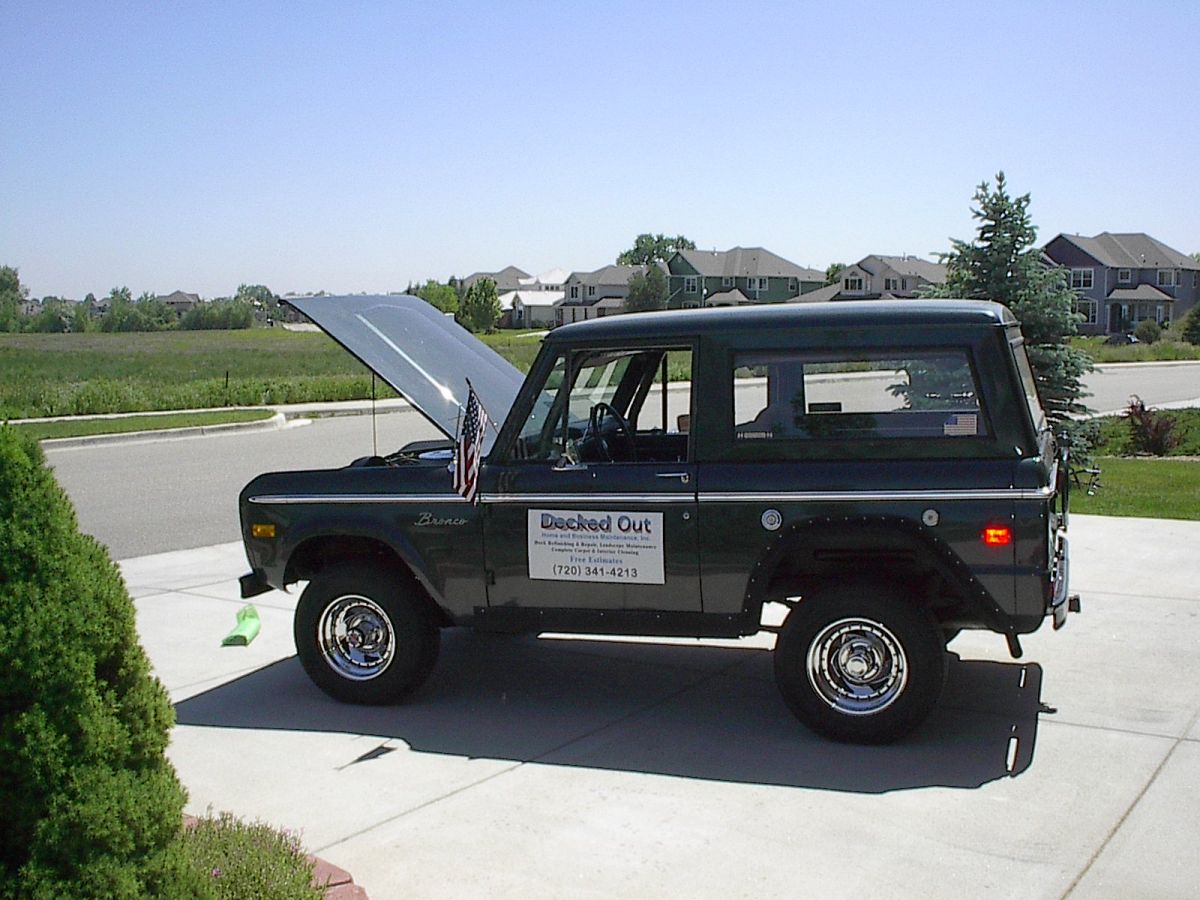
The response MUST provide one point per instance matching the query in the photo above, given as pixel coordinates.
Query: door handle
(685, 477)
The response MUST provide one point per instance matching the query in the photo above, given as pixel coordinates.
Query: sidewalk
(548, 766)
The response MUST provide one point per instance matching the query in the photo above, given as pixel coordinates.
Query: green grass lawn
(123, 425)
(1149, 488)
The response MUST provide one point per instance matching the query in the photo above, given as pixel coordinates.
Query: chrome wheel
(356, 637)
(857, 666)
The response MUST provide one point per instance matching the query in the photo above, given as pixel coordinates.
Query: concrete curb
(278, 420)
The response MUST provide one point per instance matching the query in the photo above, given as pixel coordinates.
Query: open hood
(422, 353)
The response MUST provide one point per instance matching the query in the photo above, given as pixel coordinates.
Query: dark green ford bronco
(883, 470)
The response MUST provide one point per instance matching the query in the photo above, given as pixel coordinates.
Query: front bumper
(253, 584)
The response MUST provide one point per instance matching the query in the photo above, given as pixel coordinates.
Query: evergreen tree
(1191, 326)
(1002, 264)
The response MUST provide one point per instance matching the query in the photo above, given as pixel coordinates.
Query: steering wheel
(595, 423)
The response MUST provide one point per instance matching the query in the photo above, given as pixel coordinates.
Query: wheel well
(319, 553)
(819, 552)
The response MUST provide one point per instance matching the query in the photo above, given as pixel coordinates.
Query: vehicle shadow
(689, 711)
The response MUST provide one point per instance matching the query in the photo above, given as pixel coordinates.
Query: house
(180, 302)
(590, 295)
(507, 279)
(1123, 278)
(552, 280)
(529, 308)
(731, 277)
(877, 277)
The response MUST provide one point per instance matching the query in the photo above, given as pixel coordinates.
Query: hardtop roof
(669, 324)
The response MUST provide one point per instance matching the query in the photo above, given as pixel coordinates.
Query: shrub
(1191, 326)
(1151, 431)
(90, 805)
(239, 859)
(1147, 331)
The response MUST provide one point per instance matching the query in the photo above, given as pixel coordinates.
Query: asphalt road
(142, 498)
(1156, 383)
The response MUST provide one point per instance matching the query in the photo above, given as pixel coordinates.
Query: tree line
(120, 312)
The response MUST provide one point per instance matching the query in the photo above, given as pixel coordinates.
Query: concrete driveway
(555, 767)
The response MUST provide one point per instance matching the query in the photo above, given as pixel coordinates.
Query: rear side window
(1029, 383)
(796, 398)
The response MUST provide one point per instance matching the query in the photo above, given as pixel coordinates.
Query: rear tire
(365, 635)
(860, 662)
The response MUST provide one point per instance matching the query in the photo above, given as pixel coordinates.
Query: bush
(239, 859)
(1147, 331)
(91, 807)
(1151, 431)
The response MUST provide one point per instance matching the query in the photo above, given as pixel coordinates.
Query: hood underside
(425, 355)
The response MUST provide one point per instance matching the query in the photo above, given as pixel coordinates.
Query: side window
(793, 399)
(612, 405)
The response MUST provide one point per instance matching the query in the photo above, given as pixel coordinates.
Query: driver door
(595, 506)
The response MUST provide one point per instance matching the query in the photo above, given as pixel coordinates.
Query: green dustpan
(246, 630)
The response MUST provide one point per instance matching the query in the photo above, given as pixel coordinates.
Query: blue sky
(357, 146)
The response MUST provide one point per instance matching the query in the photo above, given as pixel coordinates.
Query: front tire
(860, 663)
(365, 635)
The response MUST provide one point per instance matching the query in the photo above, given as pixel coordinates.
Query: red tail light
(997, 535)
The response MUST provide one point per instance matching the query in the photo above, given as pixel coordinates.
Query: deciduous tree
(12, 294)
(652, 248)
(442, 296)
(647, 290)
(480, 309)
(833, 272)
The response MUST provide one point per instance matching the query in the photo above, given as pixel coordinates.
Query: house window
(763, 284)
(1166, 278)
(1087, 309)
(591, 290)
(891, 284)
(904, 284)
(689, 284)
(1158, 314)
(792, 286)
(574, 292)
(854, 283)
(1124, 276)
(1082, 279)
(727, 281)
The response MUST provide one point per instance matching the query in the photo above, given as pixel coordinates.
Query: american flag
(961, 425)
(470, 447)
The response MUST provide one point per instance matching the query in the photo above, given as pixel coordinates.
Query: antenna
(374, 433)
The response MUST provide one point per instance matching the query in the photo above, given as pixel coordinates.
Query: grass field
(81, 374)
(1159, 351)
